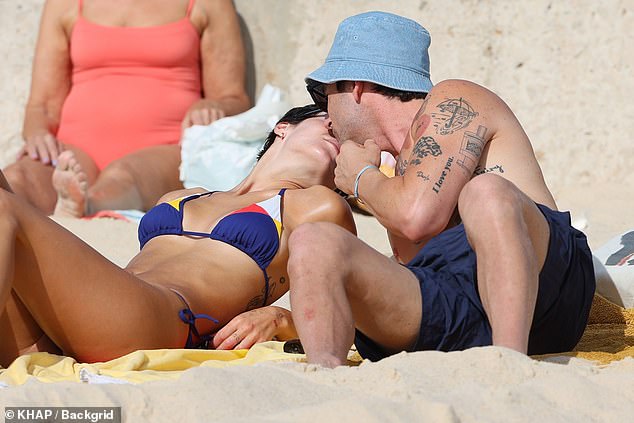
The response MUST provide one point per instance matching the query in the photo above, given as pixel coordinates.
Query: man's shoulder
(459, 86)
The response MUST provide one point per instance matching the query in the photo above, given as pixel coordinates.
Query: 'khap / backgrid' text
(63, 414)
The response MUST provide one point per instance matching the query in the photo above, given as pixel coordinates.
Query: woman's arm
(259, 325)
(50, 82)
(223, 65)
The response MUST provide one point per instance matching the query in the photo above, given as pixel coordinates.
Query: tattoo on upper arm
(438, 184)
(479, 170)
(455, 114)
(420, 123)
(401, 165)
(421, 175)
(424, 147)
(471, 148)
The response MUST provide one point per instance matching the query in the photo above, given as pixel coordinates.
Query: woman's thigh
(88, 306)
(20, 332)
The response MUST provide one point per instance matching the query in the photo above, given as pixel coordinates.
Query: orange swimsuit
(131, 86)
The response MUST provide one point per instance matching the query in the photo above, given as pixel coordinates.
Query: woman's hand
(43, 147)
(203, 112)
(251, 327)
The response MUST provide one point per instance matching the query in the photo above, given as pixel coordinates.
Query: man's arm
(446, 141)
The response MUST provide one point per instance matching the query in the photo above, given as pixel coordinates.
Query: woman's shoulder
(61, 12)
(316, 194)
(173, 195)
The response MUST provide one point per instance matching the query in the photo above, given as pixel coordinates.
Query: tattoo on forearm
(455, 114)
(479, 170)
(471, 148)
(421, 175)
(438, 184)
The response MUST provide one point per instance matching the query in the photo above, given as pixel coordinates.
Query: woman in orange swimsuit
(114, 86)
(205, 259)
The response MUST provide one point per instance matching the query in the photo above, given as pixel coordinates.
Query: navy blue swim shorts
(453, 317)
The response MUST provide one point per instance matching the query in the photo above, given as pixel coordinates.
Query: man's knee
(490, 197)
(316, 244)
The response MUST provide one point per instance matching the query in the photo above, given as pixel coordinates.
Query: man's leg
(338, 282)
(510, 236)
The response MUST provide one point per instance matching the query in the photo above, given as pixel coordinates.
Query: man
(514, 273)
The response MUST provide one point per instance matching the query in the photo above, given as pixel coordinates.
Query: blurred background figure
(113, 85)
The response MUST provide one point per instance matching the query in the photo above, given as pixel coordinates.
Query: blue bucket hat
(378, 47)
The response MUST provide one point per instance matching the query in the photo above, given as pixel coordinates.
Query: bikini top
(255, 229)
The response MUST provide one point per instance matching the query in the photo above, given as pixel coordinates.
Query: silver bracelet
(356, 181)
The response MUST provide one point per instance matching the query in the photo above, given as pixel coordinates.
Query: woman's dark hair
(293, 117)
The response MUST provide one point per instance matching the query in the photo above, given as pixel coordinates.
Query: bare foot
(71, 184)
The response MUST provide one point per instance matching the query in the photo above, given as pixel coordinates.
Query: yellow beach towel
(138, 366)
(609, 335)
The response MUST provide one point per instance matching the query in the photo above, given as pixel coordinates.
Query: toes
(65, 160)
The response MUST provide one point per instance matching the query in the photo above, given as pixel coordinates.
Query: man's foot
(71, 184)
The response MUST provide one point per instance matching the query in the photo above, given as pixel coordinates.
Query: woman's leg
(20, 333)
(135, 181)
(31, 179)
(89, 307)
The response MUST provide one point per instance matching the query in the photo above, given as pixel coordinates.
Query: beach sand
(592, 180)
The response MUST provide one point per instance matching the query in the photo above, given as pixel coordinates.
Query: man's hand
(203, 112)
(351, 159)
(43, 147)
(251, 327)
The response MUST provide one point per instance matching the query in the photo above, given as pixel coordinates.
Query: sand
(586, 158)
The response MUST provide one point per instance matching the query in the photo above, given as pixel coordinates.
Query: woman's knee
(18, 176)
(8, 219)
(119, 171)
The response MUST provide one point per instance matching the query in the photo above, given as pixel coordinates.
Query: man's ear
(280, 129)
(358, 89)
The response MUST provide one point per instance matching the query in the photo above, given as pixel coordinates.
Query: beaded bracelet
(356, 181)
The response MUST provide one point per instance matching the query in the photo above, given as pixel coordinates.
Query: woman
(214, 253)
(115, 83)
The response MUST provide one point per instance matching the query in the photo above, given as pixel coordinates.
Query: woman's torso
(131, 86)
(215, 276)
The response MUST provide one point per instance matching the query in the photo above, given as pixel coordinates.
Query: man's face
(337, 104)
(344, 114)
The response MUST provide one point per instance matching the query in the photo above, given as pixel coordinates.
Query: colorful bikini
(255, 229)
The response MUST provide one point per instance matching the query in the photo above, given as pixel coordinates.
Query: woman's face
(314, 135)
(313, 140)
